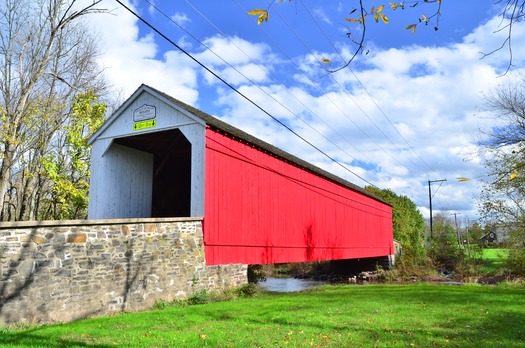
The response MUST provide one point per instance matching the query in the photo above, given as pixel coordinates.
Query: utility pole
(457, 230)
(430, 200)
(468, 238)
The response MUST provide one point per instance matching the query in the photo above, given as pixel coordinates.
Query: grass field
(419, 315)
(493, 259)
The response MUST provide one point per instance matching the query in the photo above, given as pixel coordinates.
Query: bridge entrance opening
(171, 189)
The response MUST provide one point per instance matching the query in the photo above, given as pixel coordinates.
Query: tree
(512, 11)
(445, 250)
(68, 166)
(408, 223)
(502, 199)
(46, 57)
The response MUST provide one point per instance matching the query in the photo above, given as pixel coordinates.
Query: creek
(288, 284)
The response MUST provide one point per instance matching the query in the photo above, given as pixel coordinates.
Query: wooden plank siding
(260, 208)
(121, 184)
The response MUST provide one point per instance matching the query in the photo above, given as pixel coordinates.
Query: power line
(237, 91)
(364, 88)
(308, 49)
(252, 82)
(314, 84)
(286, 90)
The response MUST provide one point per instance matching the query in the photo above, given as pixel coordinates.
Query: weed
(247, 290)
(199, 297)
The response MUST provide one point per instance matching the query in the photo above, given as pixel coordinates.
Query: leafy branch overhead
(512, 12)
(359, 16)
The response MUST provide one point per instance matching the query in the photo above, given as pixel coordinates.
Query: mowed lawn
(493, 259)
(419, 315)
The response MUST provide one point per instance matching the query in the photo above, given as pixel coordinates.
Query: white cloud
(320, 14)
(130, 59)
(180, 18)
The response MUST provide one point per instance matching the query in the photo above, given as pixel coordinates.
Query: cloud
(130, 59)
(492, 36)
(320, 14)
(180, 18)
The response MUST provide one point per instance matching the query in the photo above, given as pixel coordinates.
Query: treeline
(49, 85)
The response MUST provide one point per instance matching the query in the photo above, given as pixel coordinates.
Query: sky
(408, 111)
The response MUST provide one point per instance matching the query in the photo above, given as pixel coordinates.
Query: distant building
(489, 238)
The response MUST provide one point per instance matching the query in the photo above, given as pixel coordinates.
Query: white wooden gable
(121, 176)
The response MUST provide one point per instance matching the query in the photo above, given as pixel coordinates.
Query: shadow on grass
(30, 338)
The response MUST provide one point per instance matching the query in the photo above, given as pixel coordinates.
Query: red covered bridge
(159, 157)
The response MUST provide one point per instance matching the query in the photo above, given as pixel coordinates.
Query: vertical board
(263, 209)
(121, 184)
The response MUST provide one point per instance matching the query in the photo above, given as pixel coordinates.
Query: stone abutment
(59, 271)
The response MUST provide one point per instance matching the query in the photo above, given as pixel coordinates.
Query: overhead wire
(280, 103)
(369, 95)
(327, 96)
(382, 112)
(331, 158)
(152, 27)
(314, 84)
(286, 90)
(366, 91)
(317, 59)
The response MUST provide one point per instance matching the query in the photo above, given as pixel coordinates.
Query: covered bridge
(158, 157)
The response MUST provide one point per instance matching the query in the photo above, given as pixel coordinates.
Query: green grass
(492, 259)
(419, 315)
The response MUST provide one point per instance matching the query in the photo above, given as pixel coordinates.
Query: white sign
(145, 112)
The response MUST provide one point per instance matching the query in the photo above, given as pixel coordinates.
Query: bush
(199, 297)
(247, 290)
(516, 260)
(408, 267)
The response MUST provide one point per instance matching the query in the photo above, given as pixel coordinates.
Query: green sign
(144, 124)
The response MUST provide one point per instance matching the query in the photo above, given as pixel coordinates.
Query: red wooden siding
(261, 209)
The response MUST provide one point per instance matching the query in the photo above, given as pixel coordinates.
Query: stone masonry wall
(59, 271)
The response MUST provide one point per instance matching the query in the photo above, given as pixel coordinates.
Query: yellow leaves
(263, 15)
(394, 6)
(353, 20)
(514, 174)
(411, 27)
(378, 14)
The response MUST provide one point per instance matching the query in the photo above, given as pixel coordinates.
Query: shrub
(516, 259)
(199, 297)
(247, 290)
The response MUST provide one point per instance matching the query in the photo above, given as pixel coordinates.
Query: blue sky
(407, 112)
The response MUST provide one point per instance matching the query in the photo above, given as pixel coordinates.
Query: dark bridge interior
(171, 194)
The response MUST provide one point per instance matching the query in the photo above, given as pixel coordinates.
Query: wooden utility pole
(430, 200)
(457, 230)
